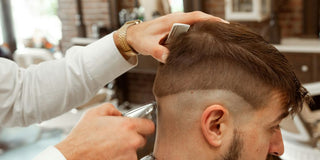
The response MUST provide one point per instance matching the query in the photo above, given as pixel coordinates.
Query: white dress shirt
(51, 88)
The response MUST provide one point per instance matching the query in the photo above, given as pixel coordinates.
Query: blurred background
(33, 31)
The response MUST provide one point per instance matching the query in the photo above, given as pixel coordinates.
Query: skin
(235, 147)
(216, 127)
(262, 135)
(89, 139)
(102, 133)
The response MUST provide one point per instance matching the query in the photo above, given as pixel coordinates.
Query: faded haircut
(215, 55)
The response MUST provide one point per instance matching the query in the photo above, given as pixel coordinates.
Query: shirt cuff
(51, 153)
(104, 60)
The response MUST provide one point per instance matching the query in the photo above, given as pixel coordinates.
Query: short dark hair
(215, 55)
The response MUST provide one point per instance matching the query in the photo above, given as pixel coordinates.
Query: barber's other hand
(104, 134)
(145, 37)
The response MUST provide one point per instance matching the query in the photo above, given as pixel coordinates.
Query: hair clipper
(142, 112)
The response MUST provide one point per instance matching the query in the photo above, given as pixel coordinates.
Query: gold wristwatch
(122, 36)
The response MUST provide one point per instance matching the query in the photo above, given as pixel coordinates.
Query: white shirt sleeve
(51, 153)
(51, 88)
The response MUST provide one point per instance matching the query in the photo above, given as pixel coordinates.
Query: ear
(214, 123)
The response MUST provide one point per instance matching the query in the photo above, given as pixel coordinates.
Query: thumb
(143, 126)
(106, 109)
(160, 53)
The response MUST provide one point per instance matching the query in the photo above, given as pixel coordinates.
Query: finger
(196, 16)
(143, 126)
(139, 141)
(107, 109)
(160, 53)
(130, 154)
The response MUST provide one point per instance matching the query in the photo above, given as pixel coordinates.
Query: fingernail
(224, 21)
(164, 57)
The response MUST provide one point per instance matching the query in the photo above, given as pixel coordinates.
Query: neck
(173, 144)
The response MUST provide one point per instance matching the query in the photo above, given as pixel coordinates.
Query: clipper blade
(142, 112)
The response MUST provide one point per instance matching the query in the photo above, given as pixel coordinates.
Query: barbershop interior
(36, 31)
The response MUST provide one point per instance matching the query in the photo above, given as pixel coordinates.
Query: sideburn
(235, 148)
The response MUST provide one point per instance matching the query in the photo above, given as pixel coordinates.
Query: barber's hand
(145, 37)
(104, 134)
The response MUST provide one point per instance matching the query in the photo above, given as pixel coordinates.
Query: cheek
(255, 145)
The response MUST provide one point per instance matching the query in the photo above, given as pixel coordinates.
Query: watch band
(122, 35)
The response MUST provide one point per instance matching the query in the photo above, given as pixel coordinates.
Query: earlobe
(214, 120)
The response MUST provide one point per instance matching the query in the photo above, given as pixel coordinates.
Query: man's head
(228, 89)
